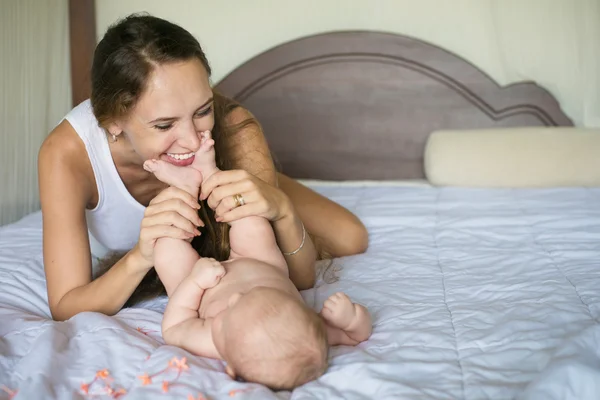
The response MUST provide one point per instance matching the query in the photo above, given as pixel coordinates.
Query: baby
(246, 311)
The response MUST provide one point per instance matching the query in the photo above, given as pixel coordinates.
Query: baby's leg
(347, 323)
(174, 258)
(253, 237)
(181, 325)
(173, 261)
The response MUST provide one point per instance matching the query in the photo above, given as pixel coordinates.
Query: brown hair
(285, 345)
(123, 61)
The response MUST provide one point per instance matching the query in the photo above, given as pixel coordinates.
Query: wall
(35, 95)
(554, 42)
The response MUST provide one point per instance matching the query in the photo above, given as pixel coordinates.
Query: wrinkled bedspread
(475, 294)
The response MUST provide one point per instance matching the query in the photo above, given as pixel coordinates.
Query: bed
(476, 293)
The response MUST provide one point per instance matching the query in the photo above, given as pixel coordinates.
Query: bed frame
(360, 105)
(355, 105)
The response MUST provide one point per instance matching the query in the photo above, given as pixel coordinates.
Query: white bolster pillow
(514, 157)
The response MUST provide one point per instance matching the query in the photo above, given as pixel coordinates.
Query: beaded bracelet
(301, 244)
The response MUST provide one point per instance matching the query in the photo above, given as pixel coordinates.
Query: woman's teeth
(180, 156)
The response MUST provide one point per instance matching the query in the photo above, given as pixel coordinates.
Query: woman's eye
(163, 127)
(204, 112)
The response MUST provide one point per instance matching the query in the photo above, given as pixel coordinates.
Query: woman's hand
(173, 213)
(260, 198)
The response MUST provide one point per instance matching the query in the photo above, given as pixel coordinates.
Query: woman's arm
(66, 184)
(65, 189)
(337, 231)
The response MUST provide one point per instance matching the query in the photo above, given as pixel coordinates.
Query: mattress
(475, 294)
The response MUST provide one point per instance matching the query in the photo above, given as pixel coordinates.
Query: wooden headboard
(360, 105)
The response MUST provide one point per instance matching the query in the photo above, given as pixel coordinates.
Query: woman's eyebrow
(166, 119)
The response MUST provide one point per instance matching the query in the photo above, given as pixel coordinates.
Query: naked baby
(245, 310)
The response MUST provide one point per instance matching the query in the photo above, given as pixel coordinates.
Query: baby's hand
(207, 273)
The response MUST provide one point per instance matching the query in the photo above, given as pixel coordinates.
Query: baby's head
(268, 336)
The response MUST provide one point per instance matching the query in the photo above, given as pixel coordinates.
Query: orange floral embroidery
(180, 364)
(174, 364)
(237, 391)
(103, 378)
(103, 374)
(143, 330)
(146, 380)
(11, 393)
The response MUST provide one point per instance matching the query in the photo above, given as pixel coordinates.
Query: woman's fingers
(152, 233)
(175, 193)
(265, 200)
(235, 213)
(221, 178)
(223, 192)
(170, 218)
(178, 206)
(228, 203)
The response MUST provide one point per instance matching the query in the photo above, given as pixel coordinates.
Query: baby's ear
(234, 298)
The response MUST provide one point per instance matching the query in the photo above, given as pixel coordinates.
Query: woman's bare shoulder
(63, 141)
(63, 152)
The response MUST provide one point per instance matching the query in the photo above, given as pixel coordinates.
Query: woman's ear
(114, 129)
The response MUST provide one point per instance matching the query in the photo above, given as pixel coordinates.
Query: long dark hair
(123, 61)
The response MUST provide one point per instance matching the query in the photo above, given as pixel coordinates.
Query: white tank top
(114, 224)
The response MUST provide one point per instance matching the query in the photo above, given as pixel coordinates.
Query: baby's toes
(150, 165)
(205, 137)
(330, 304)
(342, 296)
(327, 313)
(208, 144)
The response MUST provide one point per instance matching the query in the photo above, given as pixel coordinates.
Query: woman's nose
(189, 138)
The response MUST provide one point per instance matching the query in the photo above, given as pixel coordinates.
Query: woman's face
(175, 108)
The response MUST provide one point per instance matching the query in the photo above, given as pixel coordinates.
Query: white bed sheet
(475, 294)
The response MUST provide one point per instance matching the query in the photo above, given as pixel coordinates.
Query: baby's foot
(204, 159)
(339, 312)
(186, 178)
(207, 272)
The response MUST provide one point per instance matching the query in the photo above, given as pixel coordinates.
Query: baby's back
(242, 275)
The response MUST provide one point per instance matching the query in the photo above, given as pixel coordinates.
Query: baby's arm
(181, 325)
(174, 258)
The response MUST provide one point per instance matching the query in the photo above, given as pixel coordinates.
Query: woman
(151, 98)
